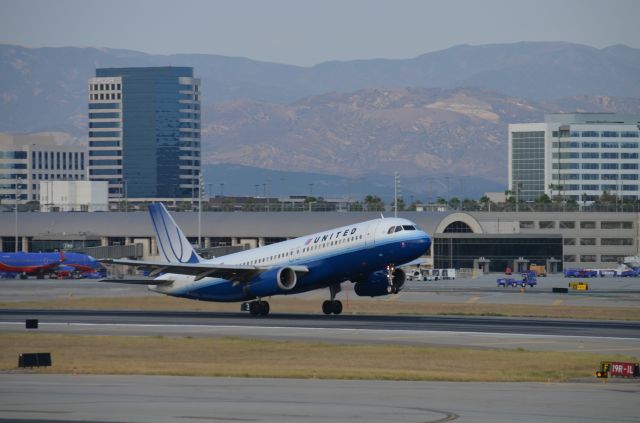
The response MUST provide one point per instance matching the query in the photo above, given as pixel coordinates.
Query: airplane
(41, 264)
(369, 254)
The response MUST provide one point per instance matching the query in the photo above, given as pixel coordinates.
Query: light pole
(17, 198)
(126, 196)
(200, 185)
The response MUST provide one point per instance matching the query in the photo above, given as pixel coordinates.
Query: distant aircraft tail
(173, 246)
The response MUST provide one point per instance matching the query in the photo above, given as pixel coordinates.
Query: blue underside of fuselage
(332, 268)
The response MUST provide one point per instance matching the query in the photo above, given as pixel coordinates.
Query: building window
(616, 225)
(457, 227)
(590, 166)
(610, 155)
(608, 258)
(590, 176)
(590, 155)
(565, 166)
(587, 241)
(629, 155)
(587, 225)
(610, 166)
(629, 166)
(569, 241)
(565, 224)
(588, 258)
(609, 134)
(616, 241)
(547, 224)
(569, 258)
(526, 224)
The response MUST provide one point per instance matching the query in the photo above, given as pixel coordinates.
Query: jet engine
(377, 283)
(272, 282)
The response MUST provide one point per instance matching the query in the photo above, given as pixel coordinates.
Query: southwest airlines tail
(173, 246)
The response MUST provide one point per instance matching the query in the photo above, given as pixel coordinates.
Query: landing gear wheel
(254, 308)
(264, 308)
(337, 307)
(332, 307)
(327, 307)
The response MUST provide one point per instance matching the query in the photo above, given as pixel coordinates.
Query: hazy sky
(306, 32)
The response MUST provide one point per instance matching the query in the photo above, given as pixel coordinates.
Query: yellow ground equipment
(579, 286)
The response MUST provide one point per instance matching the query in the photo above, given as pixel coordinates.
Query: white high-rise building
(577, 155)
(25, 160)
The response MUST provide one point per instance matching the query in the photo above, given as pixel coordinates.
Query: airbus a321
(368, 254)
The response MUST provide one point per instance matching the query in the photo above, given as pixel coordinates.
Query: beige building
(25, 160)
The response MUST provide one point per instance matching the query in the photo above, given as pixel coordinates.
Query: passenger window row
(304, 250)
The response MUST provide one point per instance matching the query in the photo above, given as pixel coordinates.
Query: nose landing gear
(392, 288)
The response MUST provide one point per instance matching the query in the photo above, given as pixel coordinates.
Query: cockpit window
(391, 230)
(398, 228)
(409, 227)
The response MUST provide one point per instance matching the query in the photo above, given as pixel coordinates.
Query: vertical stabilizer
(173, 246)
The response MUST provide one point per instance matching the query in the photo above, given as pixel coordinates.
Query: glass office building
(144, 131)
(578, 156)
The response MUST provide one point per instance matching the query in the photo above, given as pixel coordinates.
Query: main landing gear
(332, 306)
(256, 308)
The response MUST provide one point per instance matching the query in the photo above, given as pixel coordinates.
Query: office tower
(578, 156)
(144, 131)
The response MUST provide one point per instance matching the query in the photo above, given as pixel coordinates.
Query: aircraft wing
(231, 272)
(416, 262)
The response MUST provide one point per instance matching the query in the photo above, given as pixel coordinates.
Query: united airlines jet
(369, 254)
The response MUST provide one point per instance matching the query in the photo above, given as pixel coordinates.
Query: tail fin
(172, 244)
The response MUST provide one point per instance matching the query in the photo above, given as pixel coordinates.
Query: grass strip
(224, 356)
(358, 306)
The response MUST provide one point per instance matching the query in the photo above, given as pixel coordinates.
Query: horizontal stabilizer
(140, 281)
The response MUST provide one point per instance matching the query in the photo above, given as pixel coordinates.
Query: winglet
(173, 246)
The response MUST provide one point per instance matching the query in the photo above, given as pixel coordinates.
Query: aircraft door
(370, 236)
(292, 255)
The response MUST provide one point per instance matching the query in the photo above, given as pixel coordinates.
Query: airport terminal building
(490, 241)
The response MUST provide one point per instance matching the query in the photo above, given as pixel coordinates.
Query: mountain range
(443, 113)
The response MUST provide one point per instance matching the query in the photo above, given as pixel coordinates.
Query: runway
(158, 399)
(609, 337)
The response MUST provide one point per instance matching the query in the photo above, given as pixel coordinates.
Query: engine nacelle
(377, 285)
(272, 282)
